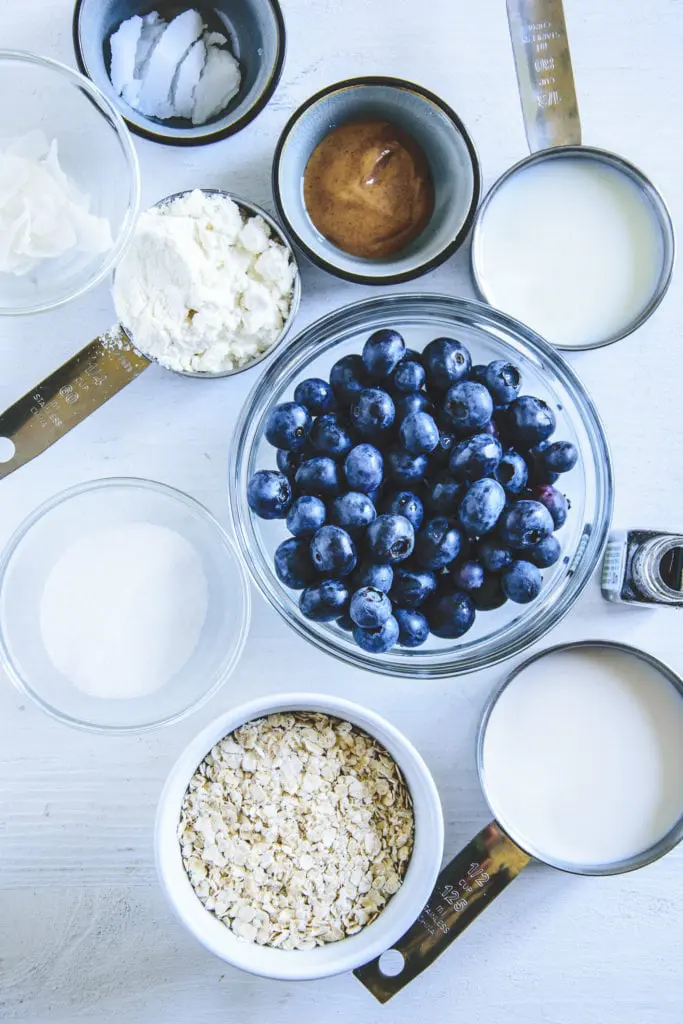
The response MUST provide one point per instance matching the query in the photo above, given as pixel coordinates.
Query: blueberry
(404, 468)
(316, 394)
(330, 435)
(468, 405)
(475, 457)
(544, 554)
(333, 553)
(352, 511)
(468, 575)
(521, 582)
(438, 543)
(405, 503)
(348, 377)
(419, 433)
(416, 401)
(324, 601)
(530, 419)
(440, 457)
(382, 353)
(364, 468)
(478, 373)
(503, 380)
(481, 507)
(269, 494)
(370, 608)
(389, 539)
(306, 516)
(377, 641)
(381, 577)
(490, 595)
(408, 377)
(446, 362)
(318, 476)
(288, 425)
(512, 472)
(293, 565)
(524, 524)
(493, 555)
(552, 499)
(413, 628)
(450, 615)
(372, 413)
(288, 462)
(558, 457)
(445, 494)
(412, 587)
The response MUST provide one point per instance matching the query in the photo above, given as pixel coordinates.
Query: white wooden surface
(84, 933)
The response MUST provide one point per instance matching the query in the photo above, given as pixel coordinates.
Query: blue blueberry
(413, 628)
(503, 380)
(521, 582)
(468, 575)
(404, 468)
(370, 608)
(446, 362)
(405, 503)
(475, 457)
(269, 494)
(478, 373)
(490, 594)
(419, 433)
(558, 457)
(544, 554)
(493, 555)
(288, 425)
(316, 394)
(353, 511)
(377, 641)
(306, 516)
(481, 507)
(412, 587)
(450, 615)
(512, 472)
(364, 468)
(389, 539)
(524, 524)
(468, 405)
(554, 500)
(382, 353)
(530, 419)
(438, 543)
(333, 552)
(445, 494)
(289, 462)
(330, 435)
(348, 377)
(318, 476)
(372, 414)
(416, 401)
(408, 377)
(538, 471)
(293, 565)
(324, 601)
(368, 574)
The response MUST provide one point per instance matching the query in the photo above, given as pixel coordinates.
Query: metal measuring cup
(106, 365)
(493, 859)
(551, 119)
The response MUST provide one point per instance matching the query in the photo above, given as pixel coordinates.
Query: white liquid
(583, 757)
(572, 248)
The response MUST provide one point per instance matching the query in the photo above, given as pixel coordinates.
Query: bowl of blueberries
(420, 485)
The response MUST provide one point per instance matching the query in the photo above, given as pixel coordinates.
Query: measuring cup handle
(544, 73)
(464, 888)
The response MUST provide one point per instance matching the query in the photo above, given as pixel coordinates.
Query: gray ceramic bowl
(256, 31)
(438, 131)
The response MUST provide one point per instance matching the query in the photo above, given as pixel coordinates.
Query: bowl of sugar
(180, 74)
(123, 606)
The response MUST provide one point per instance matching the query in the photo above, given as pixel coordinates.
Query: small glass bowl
(95, 151)
(496, 635)
(38, 544)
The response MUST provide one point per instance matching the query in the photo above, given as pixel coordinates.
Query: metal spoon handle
(464, 888)
(544, 73)
(68, 396)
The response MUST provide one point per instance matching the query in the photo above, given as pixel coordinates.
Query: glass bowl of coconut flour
(123, 606)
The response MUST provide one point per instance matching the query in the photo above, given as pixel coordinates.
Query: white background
(85, 934)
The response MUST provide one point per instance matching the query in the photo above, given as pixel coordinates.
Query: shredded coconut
(202, 288)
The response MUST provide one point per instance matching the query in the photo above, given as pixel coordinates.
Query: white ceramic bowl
(335, 957)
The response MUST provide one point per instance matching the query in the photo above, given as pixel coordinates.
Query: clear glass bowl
(95, 151)
(41, 540)
(489, 335)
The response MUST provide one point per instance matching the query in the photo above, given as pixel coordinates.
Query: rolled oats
(296, 829)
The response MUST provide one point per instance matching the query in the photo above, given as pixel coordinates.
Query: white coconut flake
(220, 81)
